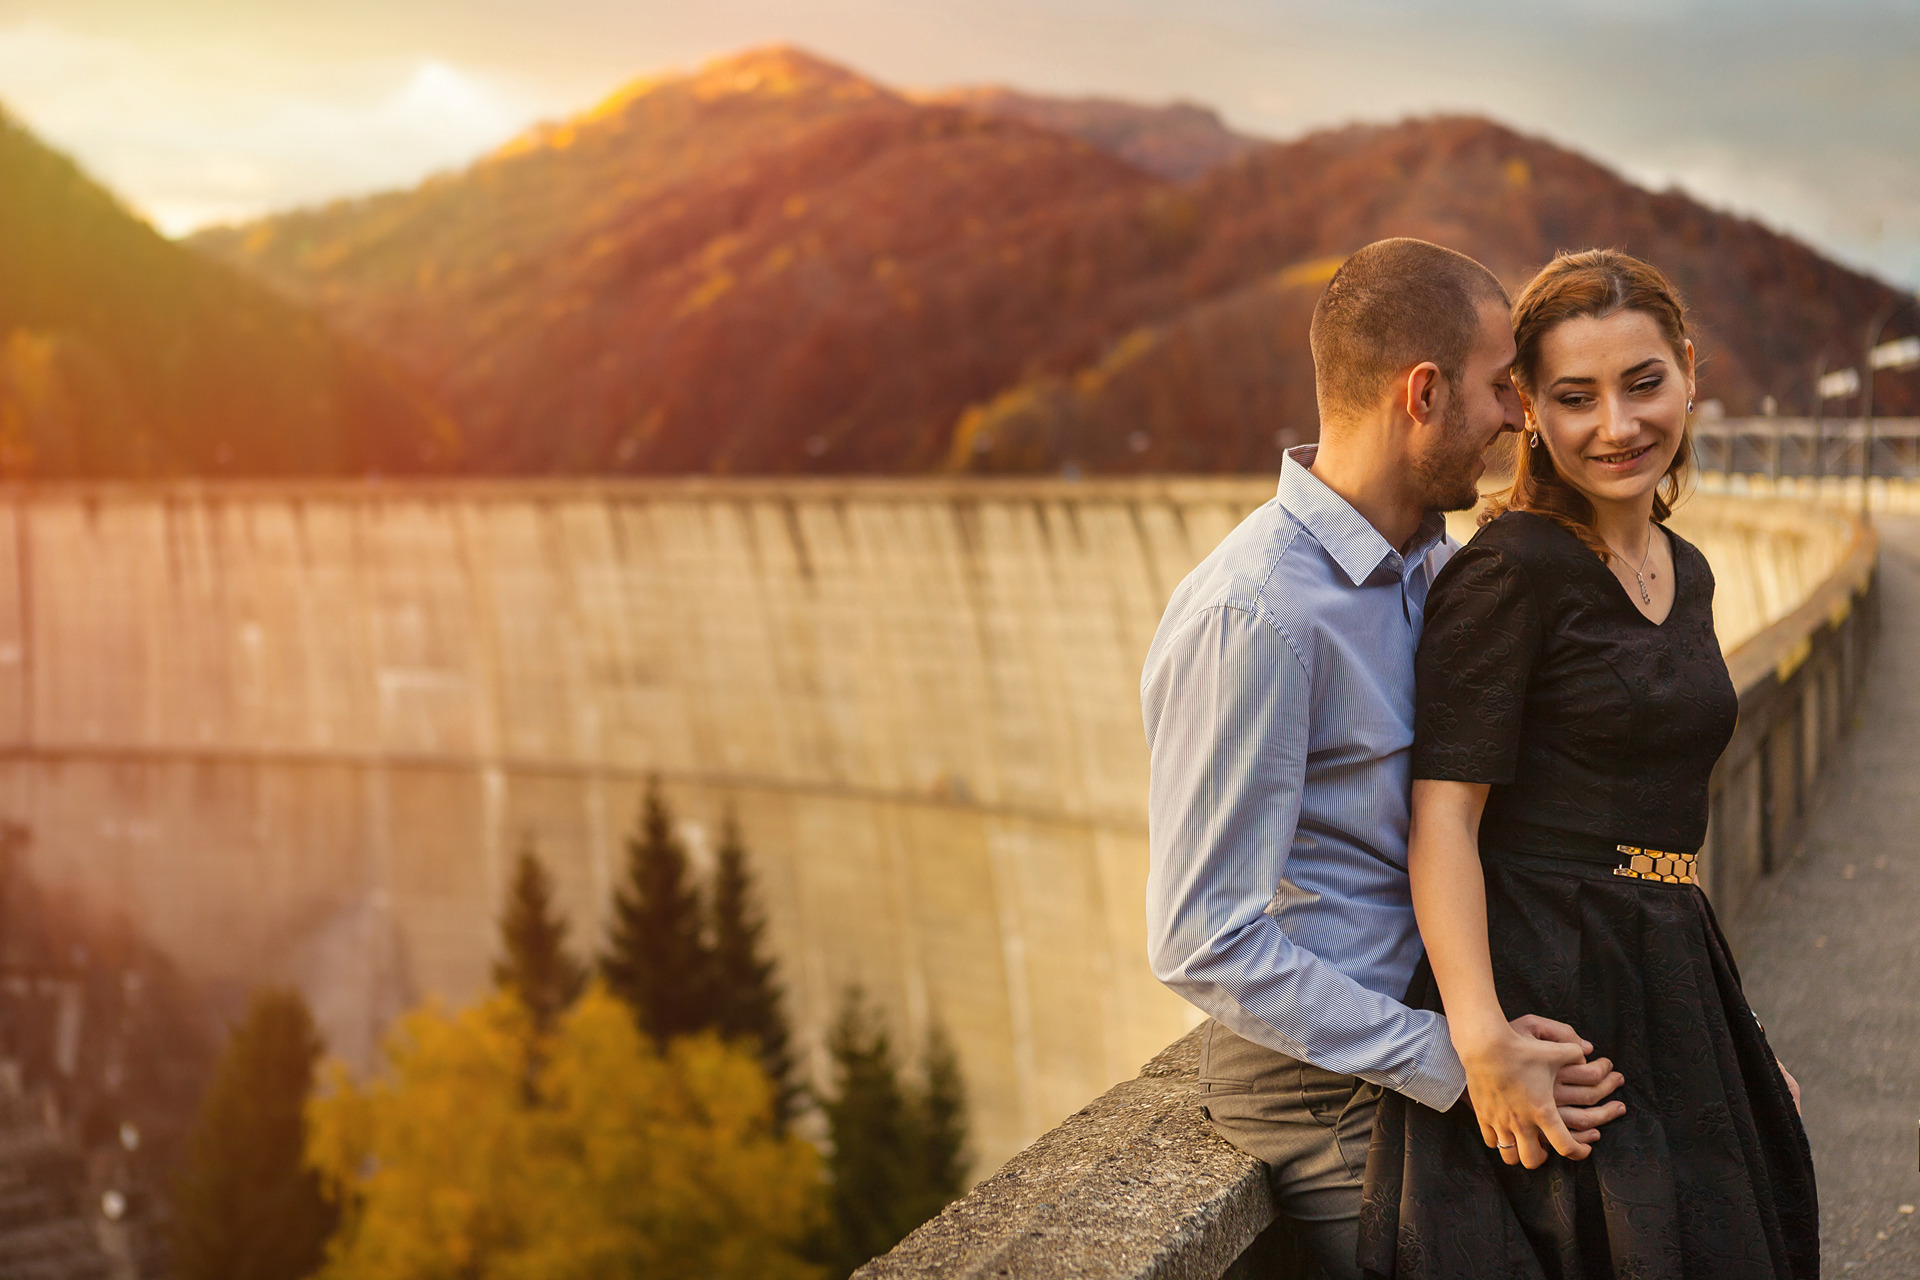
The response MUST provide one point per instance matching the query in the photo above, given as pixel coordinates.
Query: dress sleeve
(1477, 650)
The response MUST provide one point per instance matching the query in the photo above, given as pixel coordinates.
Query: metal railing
(1812, 448)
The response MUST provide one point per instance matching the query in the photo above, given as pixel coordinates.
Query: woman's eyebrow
(1582, 381)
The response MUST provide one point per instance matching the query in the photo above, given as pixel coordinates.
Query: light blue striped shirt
(1278, 698)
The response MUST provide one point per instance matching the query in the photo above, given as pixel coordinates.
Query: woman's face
(1610, 403)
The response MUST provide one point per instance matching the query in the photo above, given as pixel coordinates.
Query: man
(1278, 700)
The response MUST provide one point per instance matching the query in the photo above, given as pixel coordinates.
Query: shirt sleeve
(1477, 651)
(1226, 704)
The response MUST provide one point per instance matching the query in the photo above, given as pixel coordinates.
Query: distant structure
(295, 732)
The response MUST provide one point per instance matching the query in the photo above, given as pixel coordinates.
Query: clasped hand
(1532, 1087)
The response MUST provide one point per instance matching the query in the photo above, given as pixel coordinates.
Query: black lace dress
(1595, 728)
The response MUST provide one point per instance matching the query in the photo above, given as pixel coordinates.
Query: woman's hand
(1510, 1081)
(1793, 1086)
(1511, 1067)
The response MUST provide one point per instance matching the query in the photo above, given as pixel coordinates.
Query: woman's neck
(1623, 525)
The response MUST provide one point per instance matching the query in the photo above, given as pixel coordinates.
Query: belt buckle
(1657, 865)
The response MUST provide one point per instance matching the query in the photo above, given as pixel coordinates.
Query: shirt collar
(1355, 545)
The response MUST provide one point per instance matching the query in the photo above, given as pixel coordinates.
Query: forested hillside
(776, 265)
(122, 354)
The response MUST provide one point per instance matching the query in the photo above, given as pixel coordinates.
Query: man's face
(1449, 457)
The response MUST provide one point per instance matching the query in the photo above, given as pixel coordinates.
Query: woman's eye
(1647, 384)
(1575, 402)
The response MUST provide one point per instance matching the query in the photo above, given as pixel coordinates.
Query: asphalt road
(1830, 954)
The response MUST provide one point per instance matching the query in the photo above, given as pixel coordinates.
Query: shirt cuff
(1439, 1079)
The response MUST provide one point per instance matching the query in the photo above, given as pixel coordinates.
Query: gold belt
(1656, 864)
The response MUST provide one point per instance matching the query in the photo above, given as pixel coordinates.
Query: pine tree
(872, 1167)
(535, 963)
(940, 1126)
(246, 1206)
(657, 960)
(746, 994)
(898, 1153)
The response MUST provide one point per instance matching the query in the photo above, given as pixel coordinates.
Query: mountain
(776, 265)
(1179, 141)
(122, 354)
(1197, 390)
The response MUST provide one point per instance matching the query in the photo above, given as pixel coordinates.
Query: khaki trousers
(1309, 1126)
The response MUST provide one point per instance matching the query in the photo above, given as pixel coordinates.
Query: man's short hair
(1391, 306)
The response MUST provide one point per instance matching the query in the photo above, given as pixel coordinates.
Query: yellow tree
(622, 1163)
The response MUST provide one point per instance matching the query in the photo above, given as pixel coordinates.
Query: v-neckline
(1673, 554)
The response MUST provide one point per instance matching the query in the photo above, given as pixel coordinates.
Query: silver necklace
(1644, 595)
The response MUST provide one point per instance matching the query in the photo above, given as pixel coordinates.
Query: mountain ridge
(774, 264)
(122, 353)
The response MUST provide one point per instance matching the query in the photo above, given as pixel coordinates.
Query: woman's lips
(1622, 461)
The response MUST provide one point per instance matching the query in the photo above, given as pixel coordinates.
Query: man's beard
(1446, 477)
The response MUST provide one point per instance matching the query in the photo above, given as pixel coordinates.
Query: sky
(1806, 116)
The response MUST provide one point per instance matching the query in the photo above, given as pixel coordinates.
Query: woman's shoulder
(1519, 540)
(1501, 569)
(1681, 547)
(1694, 558)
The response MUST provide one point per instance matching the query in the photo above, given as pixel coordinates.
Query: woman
(1572, 701)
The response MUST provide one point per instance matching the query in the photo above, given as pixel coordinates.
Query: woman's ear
(1687, 347)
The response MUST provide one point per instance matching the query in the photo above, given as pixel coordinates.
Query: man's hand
(1579, 1090)
(1512, 1079)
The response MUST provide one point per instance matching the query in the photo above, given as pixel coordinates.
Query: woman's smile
(1623, 460)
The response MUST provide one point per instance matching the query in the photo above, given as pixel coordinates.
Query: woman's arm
(1510, 1074)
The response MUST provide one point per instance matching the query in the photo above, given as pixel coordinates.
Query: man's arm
(1226, 704)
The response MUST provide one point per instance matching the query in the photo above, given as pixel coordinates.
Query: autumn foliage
(623, 1161)
(122, 354)
(776, 265)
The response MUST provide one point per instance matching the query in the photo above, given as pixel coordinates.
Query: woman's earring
(1689, 404)
(1533, 439)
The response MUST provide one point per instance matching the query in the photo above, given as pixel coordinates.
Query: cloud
(219, 133)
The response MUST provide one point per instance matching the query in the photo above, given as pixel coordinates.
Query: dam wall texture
(298, 732)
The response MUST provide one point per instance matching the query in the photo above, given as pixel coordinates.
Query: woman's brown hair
(1594, 284)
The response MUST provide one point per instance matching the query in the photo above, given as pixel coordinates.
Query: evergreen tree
(535, 963)
(746, 994)
(246, 1206)
(657, 959)
(871, 1129)
(898, 1153)
(940, 1126)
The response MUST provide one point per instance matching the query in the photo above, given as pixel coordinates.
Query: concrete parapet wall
(1797, 682)
(1135, 1186)
(297, 731)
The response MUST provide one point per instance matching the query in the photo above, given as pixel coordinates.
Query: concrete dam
(297, 732)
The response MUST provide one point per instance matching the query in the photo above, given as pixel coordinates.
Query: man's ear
(1422, 392)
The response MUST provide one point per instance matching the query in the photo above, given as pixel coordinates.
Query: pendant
(1643, 588)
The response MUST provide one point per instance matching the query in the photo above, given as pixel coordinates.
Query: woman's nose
(1618, 423)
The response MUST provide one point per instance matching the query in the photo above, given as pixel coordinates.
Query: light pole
(1819, 425)
(1875, 328)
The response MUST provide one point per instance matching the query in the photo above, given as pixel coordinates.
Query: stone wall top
(1132, 1186)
